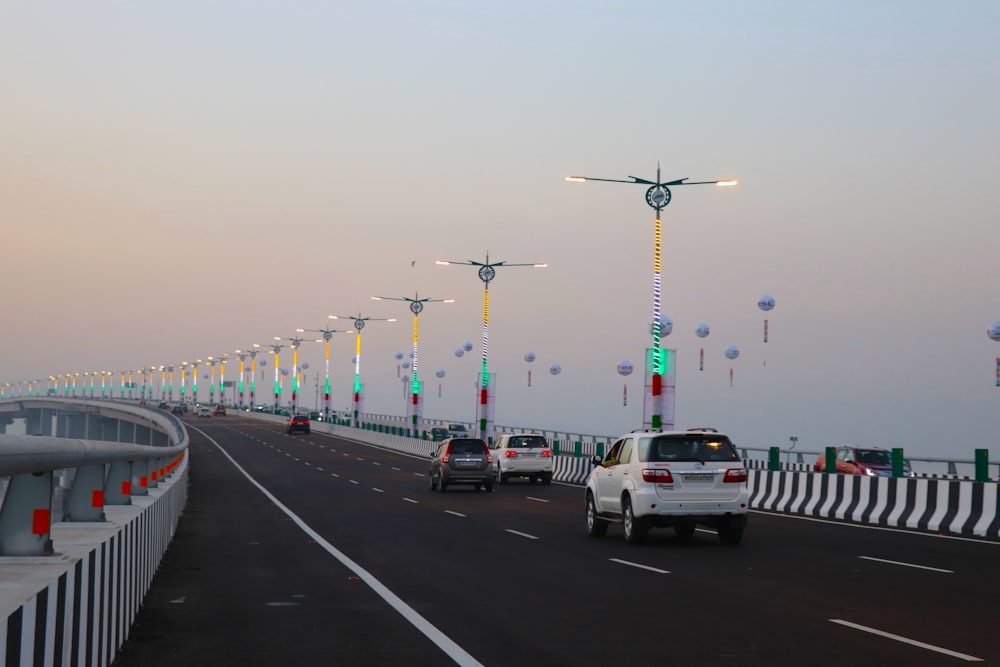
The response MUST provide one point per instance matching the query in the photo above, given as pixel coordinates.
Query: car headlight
(870, 472)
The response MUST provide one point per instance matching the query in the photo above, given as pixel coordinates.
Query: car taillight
(546, 452)
(657, 475)
(489, 456)
(447, 452)
(735, 475)
(510, 454)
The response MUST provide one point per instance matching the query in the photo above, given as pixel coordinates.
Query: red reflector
(737, 475)
(153, 475)
(657, 475)
(97, 498)
(144, 481)
(40, 522)
(126, 488)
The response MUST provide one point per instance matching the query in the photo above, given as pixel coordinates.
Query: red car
(871, 461)
(220, 410)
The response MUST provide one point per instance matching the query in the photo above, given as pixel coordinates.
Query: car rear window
(527, 441)
(874, 457)
(467, 446)
(687, 448)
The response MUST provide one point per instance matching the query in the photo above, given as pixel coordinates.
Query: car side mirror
(596, 460)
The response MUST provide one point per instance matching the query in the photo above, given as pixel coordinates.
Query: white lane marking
(517, 532)
(706, 530)
(377, 490)
(537, 500)
(911, 642)
(419, 474)
(395, 468)
(376, 463)
(898, 562)
(443, 641)
(642, 567)
(354, 481)
(411, 500)
(320, 469)
(335, 474)
(307, 462)
(454, 513)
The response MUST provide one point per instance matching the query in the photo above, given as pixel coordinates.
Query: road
(312, 550)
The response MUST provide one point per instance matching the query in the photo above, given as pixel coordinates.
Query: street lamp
(327, 336)
(487, 272)
(276, 349)
(415, 407)
(657, 196)
(359, 324)
(252, 353)
(295, 368)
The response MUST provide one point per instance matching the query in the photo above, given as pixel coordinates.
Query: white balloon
(439, 372)
(702, 330)
(467, 345)
(555, 369)
(994, 331)
(765, 302)
(666, 325)
(459, 352)
(732, 352)
(625, 367)
(529, 356)
(399, 355)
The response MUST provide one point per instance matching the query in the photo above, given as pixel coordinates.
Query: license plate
(698, 478)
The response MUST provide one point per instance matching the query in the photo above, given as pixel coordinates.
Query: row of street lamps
(658, 406)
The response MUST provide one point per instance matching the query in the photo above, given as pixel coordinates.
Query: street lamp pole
(657, 197)
(359, 324)
(327, 336)
(277, 373)
(414, 408)
(295, 369)
(487, 272)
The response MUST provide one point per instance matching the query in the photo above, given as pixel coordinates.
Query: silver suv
(676, 478)
(461, 461)
(522, 455)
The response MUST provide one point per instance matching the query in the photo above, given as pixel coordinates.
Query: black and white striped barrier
(76, 608)
(937, 505)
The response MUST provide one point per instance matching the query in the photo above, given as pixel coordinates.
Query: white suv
(522, 455)
(675, 478)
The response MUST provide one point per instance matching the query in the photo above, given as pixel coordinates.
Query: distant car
(871, 461)
(177, 409)
(220, 410)
(522, 455)
(438, 433)
(204, 412)
(298, 424)
(461, 461)
(315, 416)
(652, 479)
(164, 405)
(457, 430)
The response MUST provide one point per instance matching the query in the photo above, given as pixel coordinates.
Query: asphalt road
(310, 550)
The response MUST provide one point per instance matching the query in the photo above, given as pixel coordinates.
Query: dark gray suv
(462, 461)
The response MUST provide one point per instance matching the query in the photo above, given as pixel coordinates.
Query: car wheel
(684, 531)
(502, 476)
(489, 485)
(479, 486)
(444, 484)
(596, 526)
(434, 484)
(533, 478)
(634, 530)
(730, 535)
(546, 478)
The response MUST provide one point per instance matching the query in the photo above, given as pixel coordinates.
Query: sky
(181, 180)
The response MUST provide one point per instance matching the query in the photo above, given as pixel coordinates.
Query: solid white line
(538, 500)
(445, 643)
(911, 642)
(643, 567)
(517, 532)
(899, 562)
(454, 513)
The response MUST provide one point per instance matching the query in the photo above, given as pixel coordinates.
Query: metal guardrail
(91, 473)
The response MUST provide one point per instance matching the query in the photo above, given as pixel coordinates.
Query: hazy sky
(182, 179)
